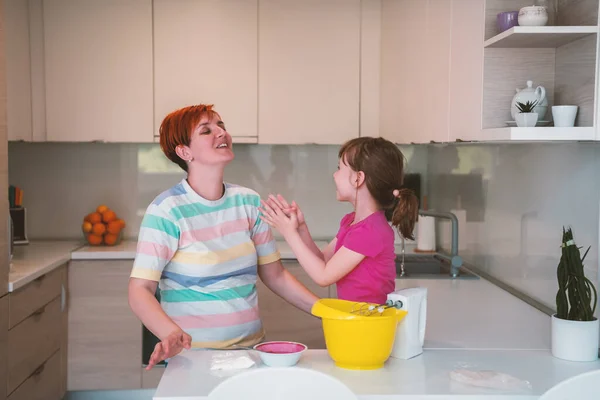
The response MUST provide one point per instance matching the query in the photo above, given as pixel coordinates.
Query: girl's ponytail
(406, 212)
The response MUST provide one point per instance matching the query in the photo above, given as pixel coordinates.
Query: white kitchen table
(189, 376)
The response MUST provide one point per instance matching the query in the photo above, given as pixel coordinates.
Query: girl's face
(346, 181)
(210, 143)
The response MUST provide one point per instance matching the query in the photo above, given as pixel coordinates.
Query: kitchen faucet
(454, 259)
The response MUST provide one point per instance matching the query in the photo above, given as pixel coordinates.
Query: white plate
(539, 123)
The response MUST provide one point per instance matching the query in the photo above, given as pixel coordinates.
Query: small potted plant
(526, 118)
(575, 330)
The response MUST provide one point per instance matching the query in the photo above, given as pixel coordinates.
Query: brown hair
(382, 163)
(177, 127)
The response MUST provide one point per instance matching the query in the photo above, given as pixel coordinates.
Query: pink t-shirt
(375, 276)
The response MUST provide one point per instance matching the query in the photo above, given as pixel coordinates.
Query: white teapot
(530, 94)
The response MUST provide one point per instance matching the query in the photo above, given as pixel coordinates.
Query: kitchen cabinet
(283, 321)
(98, 70)
(105, 336)
(3, 345)
(415, 65)
(308, 71)
(18, 70)
(35, 338)
(4, 245)
(207, 52)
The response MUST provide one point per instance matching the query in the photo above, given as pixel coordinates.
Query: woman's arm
(143, 303)
(285, 285)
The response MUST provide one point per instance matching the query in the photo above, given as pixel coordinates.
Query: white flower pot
(526, 120)
(575, 340)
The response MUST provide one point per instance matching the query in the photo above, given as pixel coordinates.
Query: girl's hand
(169, 347)
(281, 202)
(275, 217)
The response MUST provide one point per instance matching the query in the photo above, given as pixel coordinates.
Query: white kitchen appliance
(410, 333)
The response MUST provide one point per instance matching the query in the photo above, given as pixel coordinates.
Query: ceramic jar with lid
(533, 16)
(530, 94)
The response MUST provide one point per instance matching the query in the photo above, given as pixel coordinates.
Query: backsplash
(63, 182)
(517, 198)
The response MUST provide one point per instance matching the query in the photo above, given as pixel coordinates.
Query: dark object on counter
(19, 220)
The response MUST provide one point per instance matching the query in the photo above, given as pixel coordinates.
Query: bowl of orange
(103, 227)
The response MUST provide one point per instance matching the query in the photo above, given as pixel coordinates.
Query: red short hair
(177, 127)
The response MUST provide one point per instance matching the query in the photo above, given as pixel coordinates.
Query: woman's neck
(363, 207)
(207, 182)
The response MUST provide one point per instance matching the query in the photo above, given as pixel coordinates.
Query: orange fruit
(114, 227)
(94, 239)
(108, 216)
(99, 228)
(87, 226)
(94, 218)
(110, 239)
(120, 221)
(101, 209)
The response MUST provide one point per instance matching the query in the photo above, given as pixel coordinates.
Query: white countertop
(476, 314)
(38, 258)
(188, 375)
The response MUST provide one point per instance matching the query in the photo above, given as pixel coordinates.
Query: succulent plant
(526, 107)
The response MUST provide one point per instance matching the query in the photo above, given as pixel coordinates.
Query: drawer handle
(39, 369)
(39, 312)
(40, 279)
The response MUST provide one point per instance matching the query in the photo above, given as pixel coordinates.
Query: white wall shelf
(587, 133)
(539, 36)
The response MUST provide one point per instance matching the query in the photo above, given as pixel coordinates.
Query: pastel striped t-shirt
(205, 255)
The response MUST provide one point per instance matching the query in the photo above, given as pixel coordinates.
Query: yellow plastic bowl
(355, 341)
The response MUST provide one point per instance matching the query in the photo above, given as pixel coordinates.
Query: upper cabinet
(206, 51)
(308, 71)
(98, 70)
(415, 65)
(18, 70)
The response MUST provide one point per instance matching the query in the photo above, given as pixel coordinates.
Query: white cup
(564, 116)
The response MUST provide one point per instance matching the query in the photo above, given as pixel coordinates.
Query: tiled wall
(518, 197)
(64, 182)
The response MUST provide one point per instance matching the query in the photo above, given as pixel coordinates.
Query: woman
(204, 243)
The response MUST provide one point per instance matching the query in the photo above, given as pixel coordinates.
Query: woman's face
(210, 143)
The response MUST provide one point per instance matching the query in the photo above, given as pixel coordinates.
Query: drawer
(32, 342)
(43, 384)
(33, 296)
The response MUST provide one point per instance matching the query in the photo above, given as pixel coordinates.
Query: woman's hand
(169, 347)
(273, 215)
(287, 208)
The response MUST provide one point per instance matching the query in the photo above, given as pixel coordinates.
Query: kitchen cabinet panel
(206, 52)
(18, 70)
(98, 70)
(309, 71)
(43, 384)
(105, 336)
(415, 73)
(3, 346)
(283, 321)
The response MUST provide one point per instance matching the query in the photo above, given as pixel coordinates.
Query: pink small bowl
(280, 354)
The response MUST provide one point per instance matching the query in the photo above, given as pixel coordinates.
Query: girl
(360, 260)
(203, 243)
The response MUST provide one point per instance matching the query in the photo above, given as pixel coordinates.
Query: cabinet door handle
(39, 312)
(39, 280)
(63, 297)
(39, 369)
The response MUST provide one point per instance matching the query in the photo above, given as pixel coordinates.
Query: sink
(429, 266)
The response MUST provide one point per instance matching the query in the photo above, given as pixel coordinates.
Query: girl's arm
(322, 272)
